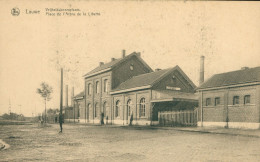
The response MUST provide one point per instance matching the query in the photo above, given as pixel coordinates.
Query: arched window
(96, 110)
(97, 87)
(89, 89)
(142, 107)
(129, 104)
(105, 85)
(117, 111)
(104, 108)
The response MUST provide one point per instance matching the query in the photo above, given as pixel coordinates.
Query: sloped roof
(147, 80)
(232, 78)
(114, 63)
(80, 95)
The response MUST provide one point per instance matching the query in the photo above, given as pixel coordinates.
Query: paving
(117, 143)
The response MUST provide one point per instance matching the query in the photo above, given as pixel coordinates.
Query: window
(217, 101)
(96, 110)
(129, 103)
(247, 99)
(132, 67)
(105, 85)
(208, 101)
(235, 100)
(89, 89)
(97, 87)
(117, 108)
(142, 107)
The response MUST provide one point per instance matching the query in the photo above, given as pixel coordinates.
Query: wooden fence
(178, 118)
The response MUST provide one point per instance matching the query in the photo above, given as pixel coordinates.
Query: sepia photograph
(141, 80)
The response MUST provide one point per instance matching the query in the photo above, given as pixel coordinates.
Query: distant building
(128, 86)
(79, 106)
(231, 99)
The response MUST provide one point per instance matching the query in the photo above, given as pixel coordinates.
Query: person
(131, 119)
(61, 121)
(102, 119)
(106, 120)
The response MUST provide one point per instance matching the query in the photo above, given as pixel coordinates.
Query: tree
(45, 92)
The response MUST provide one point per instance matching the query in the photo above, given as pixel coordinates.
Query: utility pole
(61, 101)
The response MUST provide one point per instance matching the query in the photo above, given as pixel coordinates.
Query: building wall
(175, 80)
(115, 77)
(123, 72)
(97, 98)
(228, 113)
(135, 97)
(80, 110)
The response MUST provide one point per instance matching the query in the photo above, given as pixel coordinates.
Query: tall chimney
(72, 97)
(101, 63)
(123, 53)
(67, 99)
(201, 69)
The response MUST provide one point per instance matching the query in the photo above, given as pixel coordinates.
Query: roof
(147, 80)
(248, 75)
(112, 64)
(80, 95)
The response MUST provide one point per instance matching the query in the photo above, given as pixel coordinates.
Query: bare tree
(45, 92)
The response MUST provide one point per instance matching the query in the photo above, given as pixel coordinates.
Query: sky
(33, 47)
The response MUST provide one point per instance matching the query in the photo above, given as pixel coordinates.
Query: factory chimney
(201, 69)
(72, 97)
(123, 53)
(67, 99)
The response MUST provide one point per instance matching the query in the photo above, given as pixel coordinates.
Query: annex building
(128, 86)
(231, 99)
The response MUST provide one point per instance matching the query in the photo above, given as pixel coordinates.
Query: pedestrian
(131, 119)
(61, 121)
(102, 118)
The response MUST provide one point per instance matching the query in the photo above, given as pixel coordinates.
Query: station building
(127, 85)
(231, 99)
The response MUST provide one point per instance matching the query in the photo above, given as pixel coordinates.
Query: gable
(174, 81)
(123, 72)
(115, 63)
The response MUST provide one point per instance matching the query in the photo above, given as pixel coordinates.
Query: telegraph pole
(61, 100)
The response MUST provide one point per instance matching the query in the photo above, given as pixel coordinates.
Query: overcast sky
(34, 47)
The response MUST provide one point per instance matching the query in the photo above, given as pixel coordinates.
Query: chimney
(101, 63)
(67, 99)
(72, 96)
(158, 69)
(113, 59)
(138, 54)
(123, 53)
(201, 69)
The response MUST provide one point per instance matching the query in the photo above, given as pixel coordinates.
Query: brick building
(100, 81)
(231, 99)
(79, 106)
(128, 86)
(147, 94)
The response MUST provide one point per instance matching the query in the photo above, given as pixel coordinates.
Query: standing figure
(61, 121)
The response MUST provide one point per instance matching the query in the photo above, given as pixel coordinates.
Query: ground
(31, 142)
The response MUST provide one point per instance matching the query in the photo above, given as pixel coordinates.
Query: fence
(178, 118)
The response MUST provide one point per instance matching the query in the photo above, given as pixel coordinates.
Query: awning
(173, 96)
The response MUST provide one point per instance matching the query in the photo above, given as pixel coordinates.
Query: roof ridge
(237, 70)
(151, 72)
